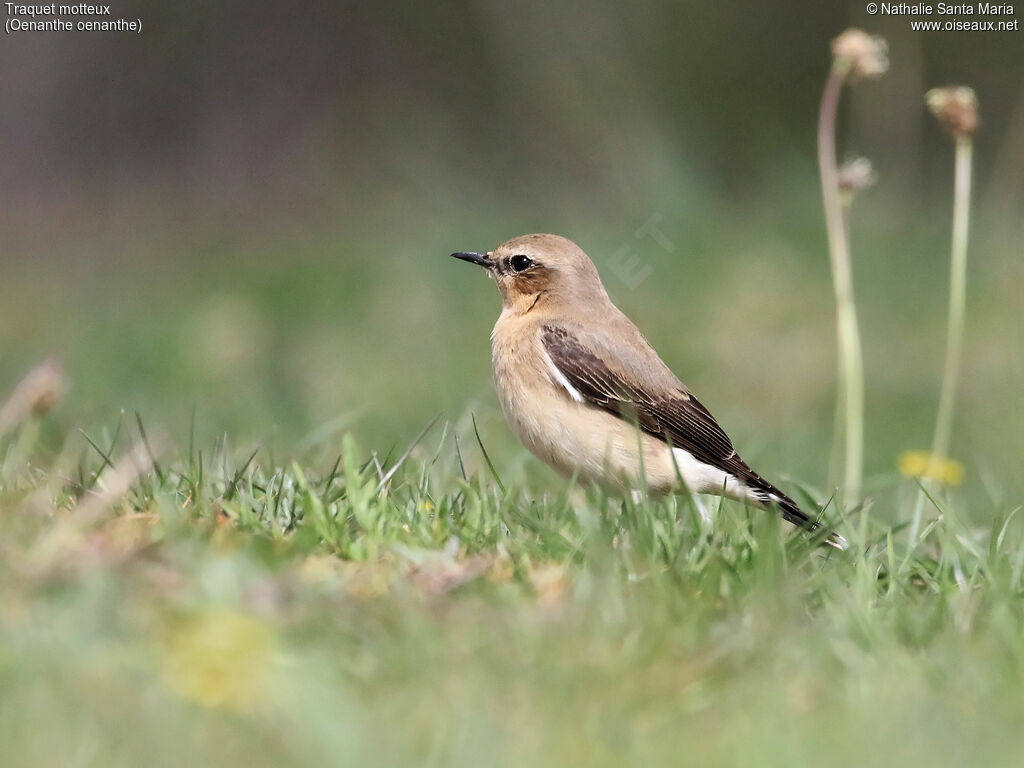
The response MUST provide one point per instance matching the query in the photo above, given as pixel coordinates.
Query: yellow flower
(926, 465)
(219, 659)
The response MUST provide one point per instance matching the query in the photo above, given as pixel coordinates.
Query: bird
(589, 396)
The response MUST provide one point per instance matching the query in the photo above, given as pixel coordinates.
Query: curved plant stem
(957, 298)
(850, 362)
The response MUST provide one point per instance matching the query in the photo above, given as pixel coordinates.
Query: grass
(280, 573)
(271, 354)
(235, 608)
(274, 556)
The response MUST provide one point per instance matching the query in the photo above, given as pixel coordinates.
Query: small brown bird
(588, 395)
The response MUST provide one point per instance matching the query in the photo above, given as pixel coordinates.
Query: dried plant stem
(850, 361)
(957, 297)
(35, 394)
(115, 482)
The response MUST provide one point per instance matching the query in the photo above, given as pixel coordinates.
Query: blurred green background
(247, 210)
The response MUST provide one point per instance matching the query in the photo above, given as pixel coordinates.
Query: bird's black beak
(480, 259)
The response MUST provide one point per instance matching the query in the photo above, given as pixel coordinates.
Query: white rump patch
(704, 478)
(560, 378)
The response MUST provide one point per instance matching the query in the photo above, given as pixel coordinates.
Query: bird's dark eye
(520, 263)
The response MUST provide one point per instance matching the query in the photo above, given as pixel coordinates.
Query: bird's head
(533, 268)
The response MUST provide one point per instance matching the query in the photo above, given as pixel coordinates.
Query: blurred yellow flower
(930, 467)
(219, 659)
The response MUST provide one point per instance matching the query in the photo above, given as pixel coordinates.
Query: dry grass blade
(115, 481)
(408, 452)
(37, 394)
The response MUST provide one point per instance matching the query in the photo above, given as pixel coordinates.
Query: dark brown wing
(676, 417)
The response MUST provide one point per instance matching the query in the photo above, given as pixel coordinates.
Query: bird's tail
(792, 513)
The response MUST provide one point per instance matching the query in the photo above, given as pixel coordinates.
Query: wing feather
(673, 414)
(677, 417)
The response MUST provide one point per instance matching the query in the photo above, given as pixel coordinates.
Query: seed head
(855, 175)
(860, 55)
(956, 108)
